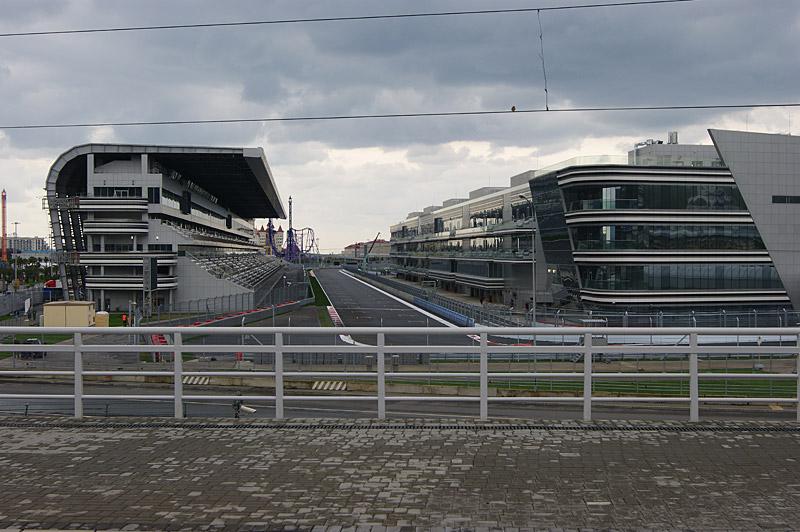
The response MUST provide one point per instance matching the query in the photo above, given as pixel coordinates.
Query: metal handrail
(636, 340)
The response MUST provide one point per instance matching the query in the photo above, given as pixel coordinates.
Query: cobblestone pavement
(157, 475)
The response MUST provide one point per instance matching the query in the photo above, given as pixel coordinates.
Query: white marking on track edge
(406, 303)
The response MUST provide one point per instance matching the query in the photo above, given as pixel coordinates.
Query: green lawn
(320, 299)
(324, 318)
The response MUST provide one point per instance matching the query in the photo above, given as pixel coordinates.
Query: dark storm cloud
(710, 51)
(704, 52)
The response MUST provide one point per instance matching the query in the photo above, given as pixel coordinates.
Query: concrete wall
(766, 165)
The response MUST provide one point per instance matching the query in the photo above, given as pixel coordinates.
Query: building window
(655, 197)
(171, 199)
(785, 199)
(118, 192)
(657, 237)
(159, 247)
(153, 195)
(681, 277)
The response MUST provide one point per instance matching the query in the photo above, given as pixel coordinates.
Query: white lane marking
(406, 303)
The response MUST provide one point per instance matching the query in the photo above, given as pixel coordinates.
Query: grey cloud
(711, 51)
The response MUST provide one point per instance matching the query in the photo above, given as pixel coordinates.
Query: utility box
(69, 314)
(101, 319)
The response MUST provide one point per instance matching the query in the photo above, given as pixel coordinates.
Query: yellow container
(101, 319)
(69, 314)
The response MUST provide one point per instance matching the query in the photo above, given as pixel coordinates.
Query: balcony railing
(469, 253)
(582, 346)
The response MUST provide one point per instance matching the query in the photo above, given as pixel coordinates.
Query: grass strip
(320, 299)
(724, 388)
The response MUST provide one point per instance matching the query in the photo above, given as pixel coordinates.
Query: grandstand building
(161, 225)
(670, 226)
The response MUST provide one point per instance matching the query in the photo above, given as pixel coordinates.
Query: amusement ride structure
(299, 242)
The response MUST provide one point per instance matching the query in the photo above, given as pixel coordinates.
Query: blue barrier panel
(449, 315)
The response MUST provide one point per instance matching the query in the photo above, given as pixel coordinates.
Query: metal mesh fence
(783, 317)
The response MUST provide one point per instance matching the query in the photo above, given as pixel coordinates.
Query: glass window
(681, 277)
(656, 197)
(665, 237)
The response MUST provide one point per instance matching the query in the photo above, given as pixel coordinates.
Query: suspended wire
(341, 19)
(541, 56)
(400, 115)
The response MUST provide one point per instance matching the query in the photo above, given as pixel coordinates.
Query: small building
(69, 314)
(379, 248)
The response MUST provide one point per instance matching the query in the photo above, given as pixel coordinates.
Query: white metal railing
(705, 342)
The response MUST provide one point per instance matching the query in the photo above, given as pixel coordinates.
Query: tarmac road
(344, 409)
(362, 305)
(359, 305)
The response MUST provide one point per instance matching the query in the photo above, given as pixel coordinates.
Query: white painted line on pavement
(406, 303)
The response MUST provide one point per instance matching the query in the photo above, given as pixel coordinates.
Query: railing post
(177, 361)
(694, 380)
(77, 342)
(484, 368)
(278, 375)
(798, 378)
(380, 354)
(587, 377)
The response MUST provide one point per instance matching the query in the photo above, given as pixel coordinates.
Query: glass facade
(442, 265)
(552, 227)
(661, 237)
(487, 217)
(480, 268)
(521, 211)
(653, 197)
(680, 277)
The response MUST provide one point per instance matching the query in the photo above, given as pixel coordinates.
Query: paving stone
(404, 475)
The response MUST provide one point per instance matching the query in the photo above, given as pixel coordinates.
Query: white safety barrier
(692, 344)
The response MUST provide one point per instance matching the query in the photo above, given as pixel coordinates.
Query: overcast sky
(351, 179)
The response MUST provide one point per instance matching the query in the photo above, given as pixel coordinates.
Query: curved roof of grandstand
(239, 177)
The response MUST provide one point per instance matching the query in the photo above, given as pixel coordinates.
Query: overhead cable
(442, 114)
(562, 7)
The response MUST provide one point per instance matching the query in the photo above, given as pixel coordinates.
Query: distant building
(277, 237)
(670, 226)
(27, 244)
(357, 249)
(261, 238)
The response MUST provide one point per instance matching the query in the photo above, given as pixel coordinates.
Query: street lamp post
(533, 262)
